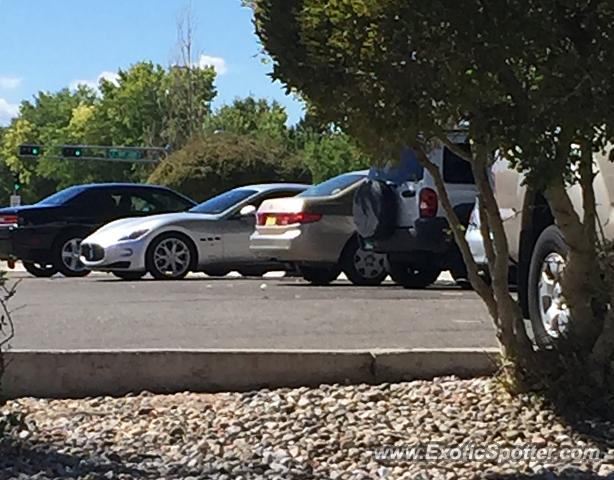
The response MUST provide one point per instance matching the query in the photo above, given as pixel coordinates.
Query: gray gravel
(328, 433)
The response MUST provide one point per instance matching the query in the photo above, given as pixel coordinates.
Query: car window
(455, 169)
(407, 169)
(333, 185)
(168, 201)
(223, 202)
(95, 202)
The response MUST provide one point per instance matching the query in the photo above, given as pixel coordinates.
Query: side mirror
(247, 210)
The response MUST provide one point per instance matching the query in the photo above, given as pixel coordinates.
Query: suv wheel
(40, 270)
(363, 267)
(548, 310)
(66, 255)
(320, 275)
(413, 276)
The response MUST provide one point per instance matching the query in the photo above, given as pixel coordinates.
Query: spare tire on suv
(375, 210)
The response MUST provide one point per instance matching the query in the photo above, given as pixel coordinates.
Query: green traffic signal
(74, 152)
(29, 150)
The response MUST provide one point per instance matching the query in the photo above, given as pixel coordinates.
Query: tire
(413, 276)
(40, 270)
(129, 275)
(547, 259)
(216, 272)
(320, 275)
(66, 255)
(170, 256)
(363, 267)
(375, 210)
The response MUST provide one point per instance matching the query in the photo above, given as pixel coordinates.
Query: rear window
(333, 185)
(63, 196)
(455, 169)
(407, 169)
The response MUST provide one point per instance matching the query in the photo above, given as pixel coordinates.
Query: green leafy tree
(532, 79)
(250, 116)
(212, 164)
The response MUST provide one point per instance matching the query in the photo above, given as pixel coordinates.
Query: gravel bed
(330, 432)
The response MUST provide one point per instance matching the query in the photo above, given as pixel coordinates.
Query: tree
(212, 164)
(250, 116)
(532, 80)
(332, 153)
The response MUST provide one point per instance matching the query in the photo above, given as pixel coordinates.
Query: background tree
(524, 75)
(211, 164)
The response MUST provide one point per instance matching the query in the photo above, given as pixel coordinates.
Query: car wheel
(170, 257)
(66, 256)
(320, 275)
(41, 270)
(548, 311)
(216, 272)
(363, 267)
(129, 275)
(412, 276)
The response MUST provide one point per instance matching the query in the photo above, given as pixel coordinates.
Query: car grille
(92, 252)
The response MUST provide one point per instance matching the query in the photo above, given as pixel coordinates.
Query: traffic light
(16, 183)
(30, 150)
(74, 152)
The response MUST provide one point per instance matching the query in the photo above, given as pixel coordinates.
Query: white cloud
(218, 63)
(7, 111)
(8, 83)
(112, 77)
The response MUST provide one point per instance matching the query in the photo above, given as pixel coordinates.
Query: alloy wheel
(553, 309)
(70, 255)
(172, 257)
(369, 264)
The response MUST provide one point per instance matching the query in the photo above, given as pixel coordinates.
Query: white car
(212, 237)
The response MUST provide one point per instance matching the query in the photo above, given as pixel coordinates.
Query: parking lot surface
(100, 312)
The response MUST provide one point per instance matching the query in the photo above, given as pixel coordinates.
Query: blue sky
(50, 44)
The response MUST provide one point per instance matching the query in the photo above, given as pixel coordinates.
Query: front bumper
(127, 255)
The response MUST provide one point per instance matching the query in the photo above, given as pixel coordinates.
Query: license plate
(269, 221)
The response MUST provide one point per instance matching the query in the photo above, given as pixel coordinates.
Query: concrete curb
(79, 373)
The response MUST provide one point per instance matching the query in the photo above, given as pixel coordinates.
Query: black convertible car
(46, 236)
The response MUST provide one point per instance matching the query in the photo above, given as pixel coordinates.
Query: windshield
(333, 185)
(223, 202)
(61, 197)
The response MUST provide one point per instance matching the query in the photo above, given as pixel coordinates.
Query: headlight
(134, 235)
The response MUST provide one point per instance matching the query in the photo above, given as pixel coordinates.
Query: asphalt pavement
(101, 312)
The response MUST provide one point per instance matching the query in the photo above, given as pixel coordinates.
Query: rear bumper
(18, 243)
(428, 235)
(7, 251)
(300, 244)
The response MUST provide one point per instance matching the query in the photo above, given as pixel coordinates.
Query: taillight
(428, 203)
(9, 219)
(281, 219)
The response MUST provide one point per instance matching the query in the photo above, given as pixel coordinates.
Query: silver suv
(397, 212)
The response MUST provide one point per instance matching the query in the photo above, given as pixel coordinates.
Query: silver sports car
(212, 237)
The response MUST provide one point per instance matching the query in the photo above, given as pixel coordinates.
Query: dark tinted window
(223, 202)
(61, 197)
(96, 202)
(157, 201)
(455, 169)
(333, 186)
